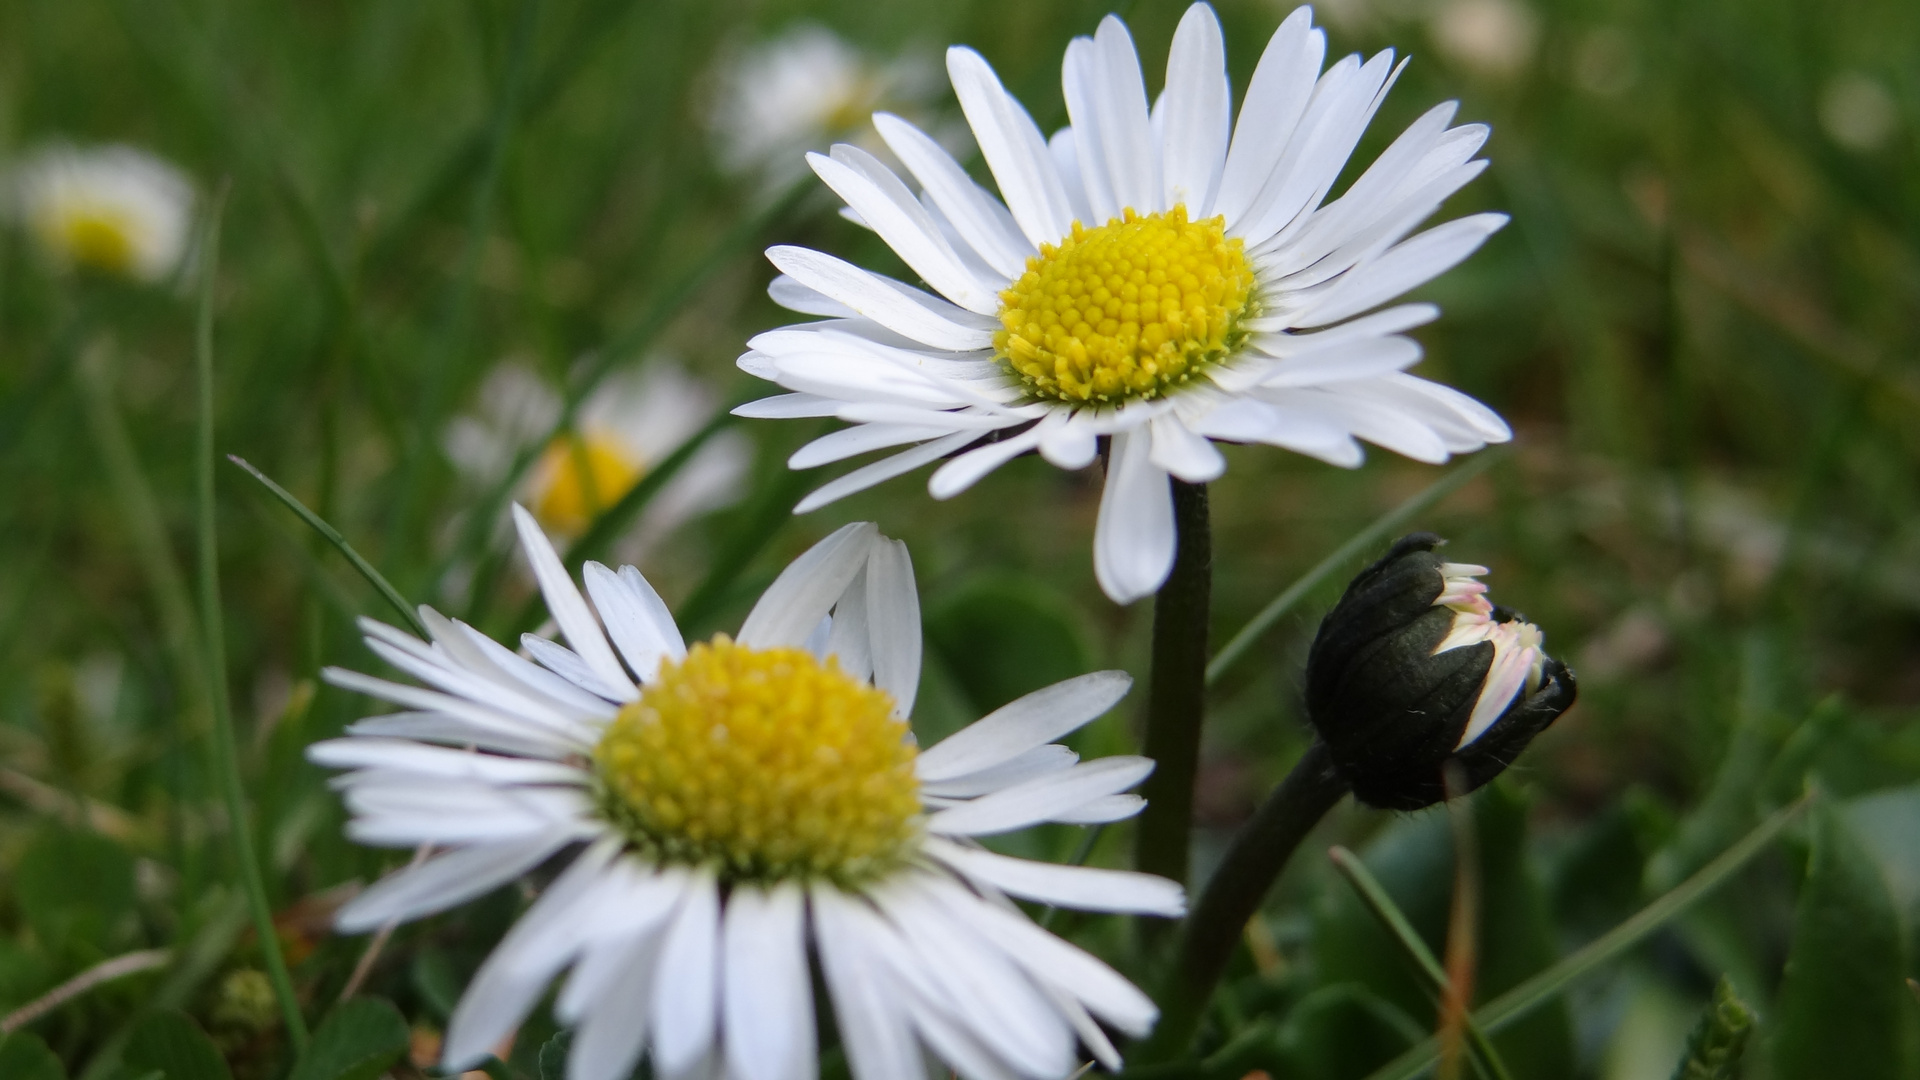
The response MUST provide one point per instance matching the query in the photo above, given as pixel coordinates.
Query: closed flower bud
(1415, 668)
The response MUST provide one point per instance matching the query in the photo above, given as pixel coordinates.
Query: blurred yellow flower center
(578, 476)
(1127, 310)
(92, 237)
(764, 763)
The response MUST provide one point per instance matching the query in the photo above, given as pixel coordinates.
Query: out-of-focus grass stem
(450, 340)
(1355, 547)
(213, 629)
(140, 513)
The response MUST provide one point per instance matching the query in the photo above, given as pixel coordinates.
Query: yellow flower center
(764, 763)
(578, 476)
(92, 237)
(1127, 310)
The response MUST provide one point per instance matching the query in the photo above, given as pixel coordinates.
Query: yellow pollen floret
(1127, 310)
(97, 237)
(578, 476)
(764, 763)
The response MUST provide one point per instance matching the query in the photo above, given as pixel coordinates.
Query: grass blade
(1374, 896)
(1362, 541)
(1608, 947)
(213, 630)
(332, 536)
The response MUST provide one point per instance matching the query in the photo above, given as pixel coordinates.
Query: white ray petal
(569, 608)
(1133, 536)
(808, 588)
(1083, 888)
(1197, 104)
(1276, 98)
(893, 621)
(767, 1001)
(976, 215)
(446, 880)
(1012, 145)
(1021, 725)
(1041, 799)
(891, 210)
(868, 475)
(1184, 453)
(872, 1018)
(686, 997)
(872, 296)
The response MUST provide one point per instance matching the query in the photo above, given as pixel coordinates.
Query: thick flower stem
(1234, 894)
(1177, 686)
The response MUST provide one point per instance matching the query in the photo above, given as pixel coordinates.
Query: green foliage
(1844, 997)
(75, 890)
(1720, 1038)
(171, 1042)
(1003, 637)
(358, 1040)
(23, 1056)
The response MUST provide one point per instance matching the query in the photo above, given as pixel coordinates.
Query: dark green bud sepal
(1414, 669)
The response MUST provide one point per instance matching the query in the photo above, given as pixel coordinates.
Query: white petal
(848, 637)
(608, 1041)
(1133, 537)
(975, 215)
(865, 438)
(1102, 811)
(1081, 887)
(1393, 320)
(1183, 453)
(868, 475)
(404, 756)
(789, 293)
(1049, 959)
(1072, 445)
(1064, 149)
(543, 942)
(788, 407)
(446, 880)
(537, 678)
(636, 906)
(806, 590)
(1039, 761)
(459, 709)
(1404, 266)
(893, 621)
(1365, 358)
(1343, 102)
(877, 195)
(636, 618)
(1477, 418)
(569, 608)
(686, 995)
(1041, 799)
(440, 728)
(872, 1018)
(967, 469)
(1196, 106)
(874, 297)
(1276, 98)
(1381, 423)
(1013, 148)
(567, 664)
(768, 1001)
(1021, 725)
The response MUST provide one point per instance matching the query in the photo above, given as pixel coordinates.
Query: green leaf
(1003, 637)
(1886, 823)
(172, 1043)
(24, 1057)
(1844, 996)
(357, 1041)
(74, 887)
(553, 1056)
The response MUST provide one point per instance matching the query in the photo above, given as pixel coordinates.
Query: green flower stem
(1213, 929)
(1177, 689)
(1610, 946)
(225, 752)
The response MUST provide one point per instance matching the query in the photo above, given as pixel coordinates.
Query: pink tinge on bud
(1519, 648)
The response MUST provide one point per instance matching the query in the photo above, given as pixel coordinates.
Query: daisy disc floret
(737, 819)
(769, 763)
(1158, 275)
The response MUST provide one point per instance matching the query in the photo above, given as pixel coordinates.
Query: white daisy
(627, 426)
(1217, 302)
(798, 92)
(113, 208)
(742, 804)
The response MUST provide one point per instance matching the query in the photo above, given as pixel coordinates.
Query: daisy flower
(800, 91)
(631, 423)
(113, 208)
(732, 808)
(1149, 280)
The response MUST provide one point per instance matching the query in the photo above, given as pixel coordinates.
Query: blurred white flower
(1858, 112)
(1493, 38)
(114, 208)
(800, 91)
(626, 427)
(735, 809)
(1158, 278)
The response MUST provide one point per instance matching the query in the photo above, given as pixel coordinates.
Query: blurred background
(449, 226)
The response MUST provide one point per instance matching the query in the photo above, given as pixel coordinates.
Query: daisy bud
(1415, 668)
